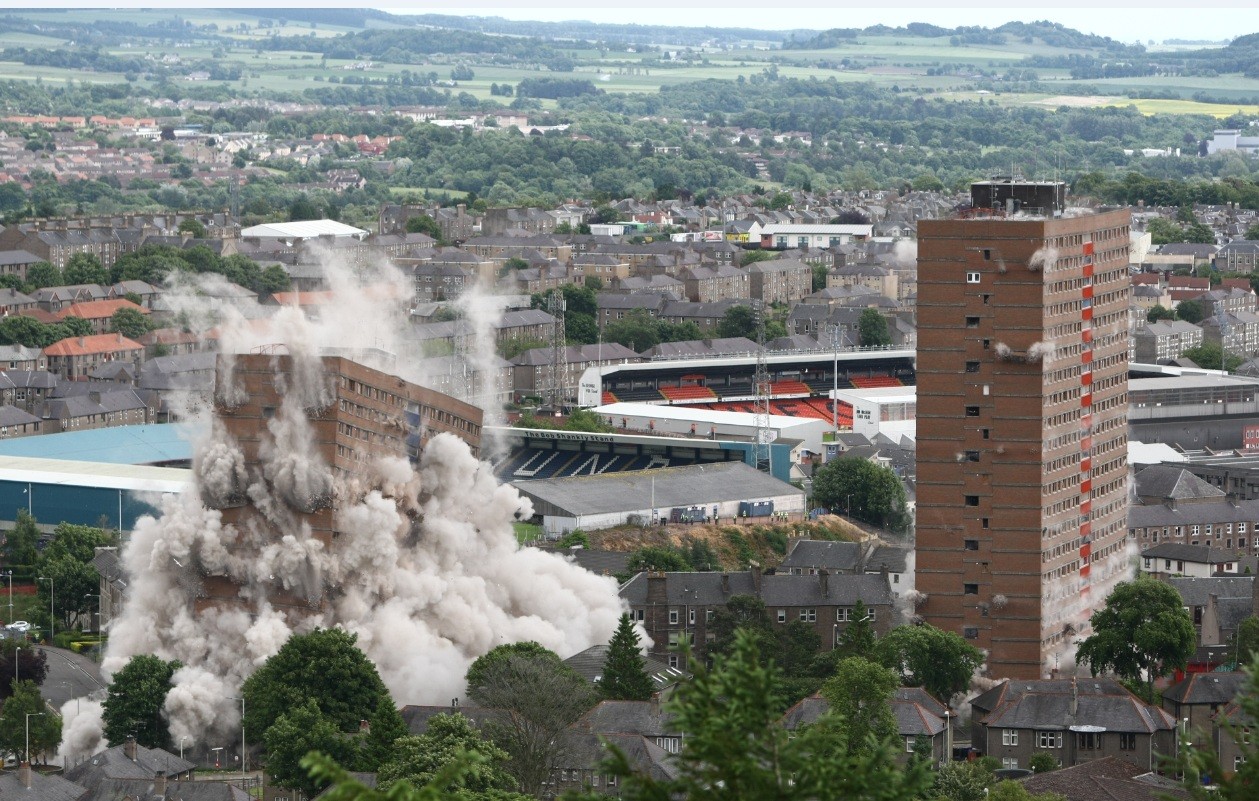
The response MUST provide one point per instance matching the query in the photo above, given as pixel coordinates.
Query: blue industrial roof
(145, 444)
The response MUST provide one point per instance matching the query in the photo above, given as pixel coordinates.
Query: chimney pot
(129, 747)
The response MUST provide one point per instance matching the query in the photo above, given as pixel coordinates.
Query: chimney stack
(24, 773)
(129, 747)
(364, 727)
(756, 576)
(823, 580)
(1075, 698)
(159, 783)
(725, 586)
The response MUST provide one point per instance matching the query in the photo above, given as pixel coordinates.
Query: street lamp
(243, 770)
(181, 746)
(10, 575)
(17, 662)
(30, 715)
(216, 751)
(52, 596)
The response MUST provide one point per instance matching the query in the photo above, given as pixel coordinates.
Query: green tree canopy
(1158, 312)
(32, 664)
(860, 694)
(85, 268)
(939, 661)
(1245, 644)
(20, 554)
(424, 224)
(386, 726)
(858, 637)
(135, 701)
(872, 329)
(296, 733)
(42, 274)
(864, 490)
(325, 665)
(736, 749)
(738, 321)
(193, 227)
(624, 678)
(450, 739)
(131, 323)
(538, 698)
(1210, 356)
(45, 726)
(1191, 311)
(1142, 634)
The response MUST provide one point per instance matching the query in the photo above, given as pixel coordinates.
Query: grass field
(527, 532)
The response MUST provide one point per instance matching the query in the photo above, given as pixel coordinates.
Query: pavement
(70, 675)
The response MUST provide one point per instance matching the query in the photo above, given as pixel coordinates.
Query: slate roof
(916, 712)
(13, 416)
(1106, 779)
(112, 763)
(1195, 591)
(43, 788)
(144, 790)
(589, 751)
(1189, 553)
(1206, 688)
(12, 257)
(628, 717)
(417, 717)
(589, 663)
(596, 560)
(1150, 515)
(84, 405)
(834, 556)
(705, 589)
(1121, 712)
(1173, 483)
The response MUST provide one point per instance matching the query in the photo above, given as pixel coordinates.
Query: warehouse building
(699, 491)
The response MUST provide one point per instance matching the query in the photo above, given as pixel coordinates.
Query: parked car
(19, 625)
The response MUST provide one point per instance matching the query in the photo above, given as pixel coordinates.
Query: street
(70, 675)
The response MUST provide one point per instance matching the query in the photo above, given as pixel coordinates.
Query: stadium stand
(639, 395)
(688, 394)
(876, 381)
(790, 388)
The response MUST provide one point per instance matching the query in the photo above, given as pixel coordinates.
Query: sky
(1127, 23)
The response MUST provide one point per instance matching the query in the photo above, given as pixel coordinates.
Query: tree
(295, 734)
(1191, 311)
(858, 637)
(738, 321)
(45, 727)
(656, 557)
(386, 726)
(1042, 762)
(32, 665)
(538, 698)
(1011, 790)
(135, 701)
(424, 224)
(864, 490)
(1245, 642)
(85, 268)
(624, 677)
(131, 323)
(419, 759)
(860, 693)
(872, 329)
(962, 781)
(193, 227)
(325, 665)
(1252, 233)
(1142, 634)
(20, 554)
(1158, 312)
(42, 274)
(1163, 231)
(940, 661)
(303, 208)
(1210, 356)
(637, 331)
(736, 749)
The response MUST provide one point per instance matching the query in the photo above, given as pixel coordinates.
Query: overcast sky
(1127, 23)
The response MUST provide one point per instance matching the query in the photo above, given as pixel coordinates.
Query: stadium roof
(306, 229)
(674, 486)
(126, 445)
(693, 414)
(137, 478)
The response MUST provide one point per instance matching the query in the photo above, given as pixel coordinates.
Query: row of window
(807, 615)
(1085, 741)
